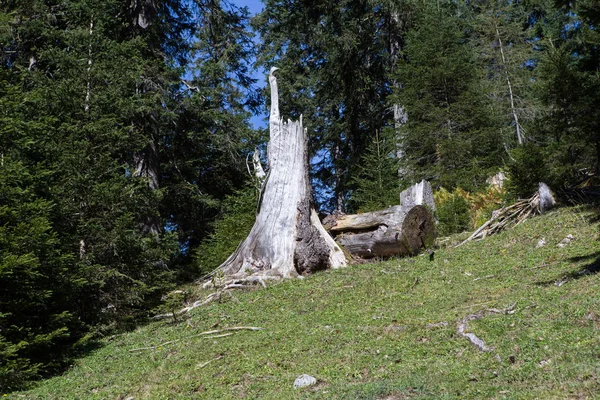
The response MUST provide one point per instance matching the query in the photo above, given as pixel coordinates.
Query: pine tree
(38, 279)
(503, 33)
(333, 59)
(86, 89)
(377, 184)
(205, 159)
(450, 136)
(568, 85)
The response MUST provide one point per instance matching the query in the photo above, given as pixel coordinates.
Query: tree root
(474, 339)
(224, 285)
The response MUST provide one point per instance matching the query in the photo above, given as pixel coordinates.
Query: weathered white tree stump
(287, 238)
(418, 194)
(398, 230)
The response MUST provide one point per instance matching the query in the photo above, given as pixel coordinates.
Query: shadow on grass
(590, 268)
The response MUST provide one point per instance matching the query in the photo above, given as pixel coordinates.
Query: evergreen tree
(568, 85)
(504, 36)
(377, 184)
(333, 59)
(205, 159)
(450, 135)
(37, 279)
(86, 90)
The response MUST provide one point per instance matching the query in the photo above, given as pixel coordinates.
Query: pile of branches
(586, 191)
(514, 214)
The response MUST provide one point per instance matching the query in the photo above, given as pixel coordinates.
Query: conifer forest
(127, 130)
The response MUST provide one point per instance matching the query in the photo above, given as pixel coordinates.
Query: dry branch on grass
(514, 214)
(471, 337)
(212, 334)
(223, 286)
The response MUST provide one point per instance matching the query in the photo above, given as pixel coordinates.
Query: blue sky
(255, 6)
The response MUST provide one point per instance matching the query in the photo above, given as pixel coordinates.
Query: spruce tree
(568, 86)
(376, 184)
(450, 137)
(333, 59)
(86, 88)
(205, 159)
(503, 32)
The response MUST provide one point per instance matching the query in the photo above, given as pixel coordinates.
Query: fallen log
(398, 230)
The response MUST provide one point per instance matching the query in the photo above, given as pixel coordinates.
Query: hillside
(382, 331)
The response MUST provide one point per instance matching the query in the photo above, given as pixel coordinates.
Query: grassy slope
(363, 333)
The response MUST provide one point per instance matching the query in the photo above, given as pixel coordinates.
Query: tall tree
(450, 138)
(38, 279)
(93, 87)
(205, 158)
(504, 35)
(568, 84)
(335, 57)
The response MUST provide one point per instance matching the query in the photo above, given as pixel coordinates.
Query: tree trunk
(418, 194)
(146, 165)
(510, 90)
(287, 238)
(400, 114)
(88, 92)
(398, 230)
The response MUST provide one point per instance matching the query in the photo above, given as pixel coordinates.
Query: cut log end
(394, 231)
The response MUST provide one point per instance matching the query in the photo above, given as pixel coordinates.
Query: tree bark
(400, 114)
(418, 194)
(88, 92)
(287, 238)
(398, 230)
(147, 166)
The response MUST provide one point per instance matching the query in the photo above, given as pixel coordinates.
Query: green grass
(363, 331)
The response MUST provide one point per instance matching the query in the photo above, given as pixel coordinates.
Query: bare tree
(287, 238)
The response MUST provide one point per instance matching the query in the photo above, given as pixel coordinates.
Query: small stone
(561, 282)
(541, 243)
(544, 362)
(568, 239)
(304, 380)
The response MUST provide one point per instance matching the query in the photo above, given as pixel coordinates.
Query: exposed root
(477, 342)
(474, 339)
(223, 285)
(204, 364)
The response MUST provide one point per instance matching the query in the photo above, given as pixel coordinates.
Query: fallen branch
(483, 277)
(514, 214)
(219, 336)
(206, 333)
(474, 339)
(204, 364)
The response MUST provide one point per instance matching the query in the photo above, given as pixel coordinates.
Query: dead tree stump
(287, 238)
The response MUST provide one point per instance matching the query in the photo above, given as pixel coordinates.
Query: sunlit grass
(363, 331)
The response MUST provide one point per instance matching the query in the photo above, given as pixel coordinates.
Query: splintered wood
(515, 214)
